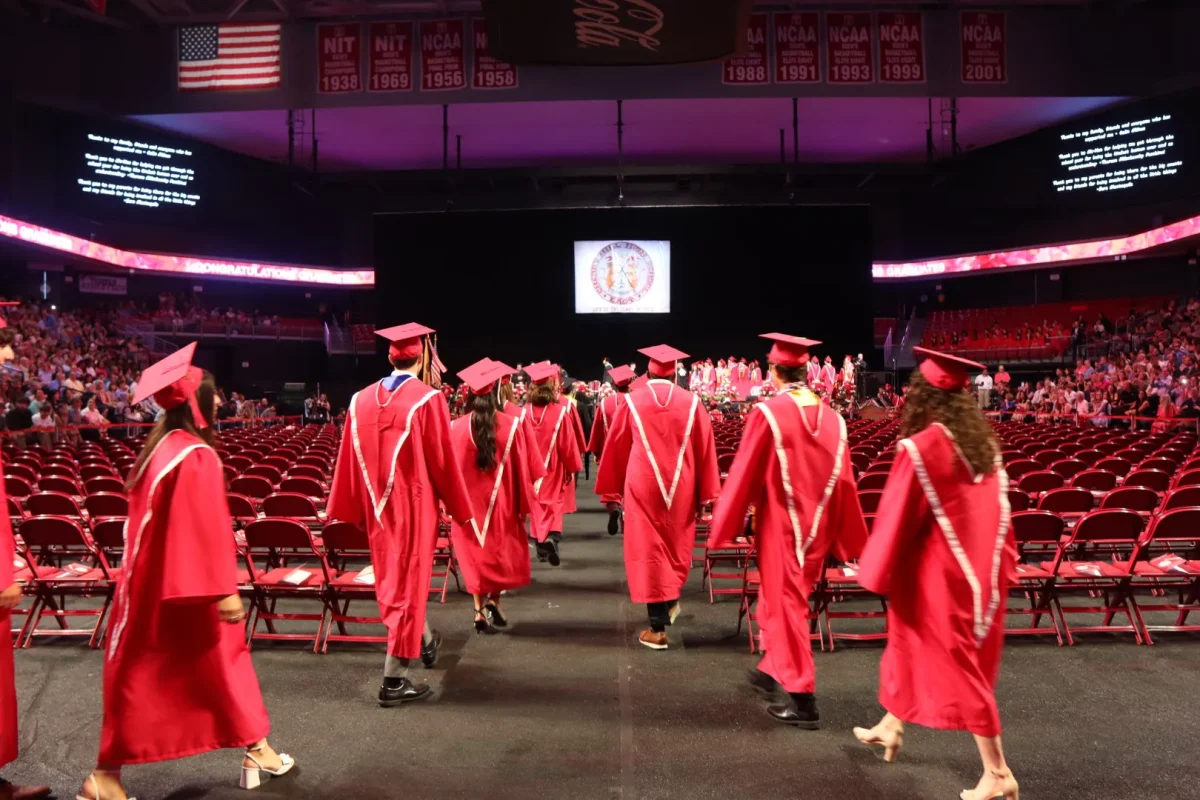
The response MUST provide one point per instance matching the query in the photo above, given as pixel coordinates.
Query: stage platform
(567, 705)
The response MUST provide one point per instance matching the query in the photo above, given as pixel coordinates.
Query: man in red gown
(793, 466)
(942, 552)
(10, 596)
(621, 376)
(661, 458)
(558, 450)
(396, 463)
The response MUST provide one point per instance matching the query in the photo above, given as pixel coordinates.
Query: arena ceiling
(656, 132)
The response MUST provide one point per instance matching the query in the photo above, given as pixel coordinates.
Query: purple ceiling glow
(572, 133)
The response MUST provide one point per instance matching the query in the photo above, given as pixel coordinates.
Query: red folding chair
(1018, 500)
(1118, 466)
(274, 537)
(872, 481)
(17, 487)
(104, 484)
(309, 487)
(58, 469)
(1154, 479)
(262, 470)
(1038, 483)
(79, 570)
(106, 504)
(25, 473)
(1189, 477)
(305, 471)
(1067, 502)
(1183, 497)
(1068, 467)
(1038, 535)
(90, 471)
(53, 504)
(1095, 480)
(1174, 570)
(255, 487)
(344, 542)
(869, 501)
(1134, 498)
(293, 505)
(445, 564)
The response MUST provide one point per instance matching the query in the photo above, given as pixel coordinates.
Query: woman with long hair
(178, 680)
(559, 453)
(942, 551)
(490, 447)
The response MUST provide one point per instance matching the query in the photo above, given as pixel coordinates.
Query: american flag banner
(229, 57)
(436, 367)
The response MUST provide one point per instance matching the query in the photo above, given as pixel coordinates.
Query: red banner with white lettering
(390, 58)
(443, 55)
(749, 67)
(901, 47)
(339, 59)
(489, 72)
(984, 47)
(797, 47)
(850, 48)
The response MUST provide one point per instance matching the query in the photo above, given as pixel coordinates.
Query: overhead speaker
(615, 33)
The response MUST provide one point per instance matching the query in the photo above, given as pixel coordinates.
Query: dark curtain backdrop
(501, 284)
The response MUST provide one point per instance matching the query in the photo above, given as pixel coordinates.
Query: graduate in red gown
(814, 373)
(567, 398)
(606, 411)
(489, 446)
(178, 680)
(10, 597)
(394, 466)
(661, 458)
(508, 405)
(793, 466)
(942, 551)
(558, 450)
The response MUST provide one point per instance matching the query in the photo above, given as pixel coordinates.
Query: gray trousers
(394, 667)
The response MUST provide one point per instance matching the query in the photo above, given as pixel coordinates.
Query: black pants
(587, 466)
(660, 615)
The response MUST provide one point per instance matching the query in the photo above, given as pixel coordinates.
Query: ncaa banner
(103, 284)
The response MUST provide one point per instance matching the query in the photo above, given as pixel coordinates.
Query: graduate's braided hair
(483, 429)
(925, 404)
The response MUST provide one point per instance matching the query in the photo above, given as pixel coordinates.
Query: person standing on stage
(489, 446)
(661, 458)
(942, 552)
(814, 373)
(10, 596)
(558, 450)
(829, 376)
(793, 466)
(395, 464)
(621, 378)
(178, 680)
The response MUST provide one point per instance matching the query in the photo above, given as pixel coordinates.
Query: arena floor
(567, 705)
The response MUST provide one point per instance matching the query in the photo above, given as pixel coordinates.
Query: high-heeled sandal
(891, 741)
(1009, 790)
(498, 619)
(96, 788)
(252, 776)
(483, 625)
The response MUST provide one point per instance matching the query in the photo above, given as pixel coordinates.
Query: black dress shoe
(544, 549)
(761, 682)
(429, 652)
(404, 691)
(555, 536)
(800, 712)
(614, 522)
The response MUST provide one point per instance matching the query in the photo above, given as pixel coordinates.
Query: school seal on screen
(622, 273)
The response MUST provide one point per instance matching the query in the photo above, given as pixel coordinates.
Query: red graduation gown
(600, 428)
(558, 450)
(8, 687)
(537, 470)
(569, 504)
(395, 464)
(942, 550)
(661, 458)
(177, 680)
(797, 474)
(496, 557)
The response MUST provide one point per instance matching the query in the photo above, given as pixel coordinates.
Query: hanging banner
(489, 72)
(797, 47)
(390, 59)
(901, 47)
(103, 284)
(339, 59)
(849, 46)
(443, 55)
(984, 47)
(749, 67)
(614, 33)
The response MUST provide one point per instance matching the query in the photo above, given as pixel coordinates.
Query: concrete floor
(567, 705)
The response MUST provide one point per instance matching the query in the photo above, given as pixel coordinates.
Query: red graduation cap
(508, 371)
(481, 376)
(542, 371)
(405, 339)
(944, 370)
(621, 375)
(173, 382)
(662, 359)
(788, 351)
(640, 382)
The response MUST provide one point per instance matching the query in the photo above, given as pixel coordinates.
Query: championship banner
(443, 55)
(103, 284)
(984, 47)
(797, 47)
(749, 67)
(849, 48)
(901, 47)
(339, 59)
(615, 33)
(390, 58)
(489, 72)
